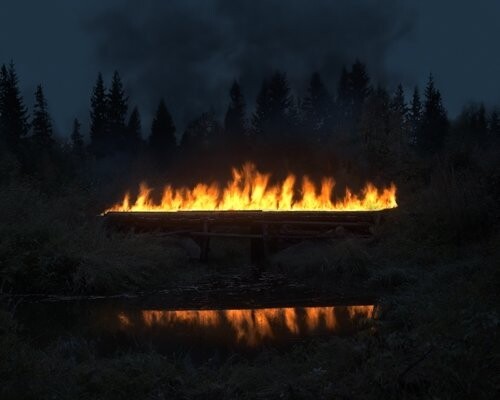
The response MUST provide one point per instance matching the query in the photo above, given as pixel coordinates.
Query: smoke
(189, 51)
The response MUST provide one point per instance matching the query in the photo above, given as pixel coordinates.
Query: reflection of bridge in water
(248, 327)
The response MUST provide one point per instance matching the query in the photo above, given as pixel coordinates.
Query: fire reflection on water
(249, 327)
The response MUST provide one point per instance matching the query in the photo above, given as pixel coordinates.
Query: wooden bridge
(267, 230)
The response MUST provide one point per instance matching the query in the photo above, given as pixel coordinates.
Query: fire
(250, 189)
(252, 326)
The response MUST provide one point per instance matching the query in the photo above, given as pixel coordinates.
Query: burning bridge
(271, 216)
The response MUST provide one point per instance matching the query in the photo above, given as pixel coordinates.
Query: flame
(250, 189)
(251, 326)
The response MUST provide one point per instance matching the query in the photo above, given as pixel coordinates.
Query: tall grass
(57, 244)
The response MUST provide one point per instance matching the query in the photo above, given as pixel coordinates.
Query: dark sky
(190, 50)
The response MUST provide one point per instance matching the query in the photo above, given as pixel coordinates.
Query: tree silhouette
(162, 141)
(374, 124)
(202, 134)
(434, 126)
(99, 140)
(398, 121)
(134, 132)
(481, 124)
(415, 116)
(317, 109)
(41, 123)
(13, 114)
(494, 125)
(77, 143)
(116, 113)
(353, 90)
(234, 122)
(262, 109)
(360, 88)
(275, 116)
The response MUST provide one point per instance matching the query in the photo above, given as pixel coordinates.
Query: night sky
(190, 51)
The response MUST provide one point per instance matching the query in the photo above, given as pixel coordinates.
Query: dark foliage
(162, 141)
(133, 138)
(77, 142)
(13, 114)
(234, 122)
(116, 114)
(41, 124)
(317, 110)
(275, 117)
(99, 138)
(434, 126)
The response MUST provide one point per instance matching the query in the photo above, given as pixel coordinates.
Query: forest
(433, 266)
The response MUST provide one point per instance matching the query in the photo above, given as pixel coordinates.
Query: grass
(57, 245)
(439, 340)
(435, 263)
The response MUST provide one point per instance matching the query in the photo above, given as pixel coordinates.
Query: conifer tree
(275, 115)
(353, 90)
(116, 113)
(162, 141)
(494, 125)
(415, 116)
(41, 123)
(317, 108)
(134, 132)
(234, 122)
(201, 134)
(360, 88)
(374, 124)
(13, 114)
(398, 124)
(262, 109)
(99, 140)
(434, 126)
(77, 143)
(481, 128)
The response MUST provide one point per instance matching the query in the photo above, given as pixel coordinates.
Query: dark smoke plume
(189, 51)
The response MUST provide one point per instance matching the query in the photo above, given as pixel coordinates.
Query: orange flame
(251, 326)
(250, 189)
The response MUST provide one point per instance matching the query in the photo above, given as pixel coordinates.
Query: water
(116, 326)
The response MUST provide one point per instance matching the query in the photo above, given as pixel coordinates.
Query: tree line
(382, 122)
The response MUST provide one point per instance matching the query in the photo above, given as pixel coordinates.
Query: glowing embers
(248, 327)
(250, 189)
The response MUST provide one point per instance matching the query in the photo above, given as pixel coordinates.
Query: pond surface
(115, 326)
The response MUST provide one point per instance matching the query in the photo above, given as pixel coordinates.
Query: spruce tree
(99, 141)
(162, 141)
(398, 125)
(234, 122)
(116, 113)
(317, 109)
(415, 116)
(343, 95)
(13, 114)
(494, 125)
(360, 88)
(353, 90)
(201, 134)
(434, 126)
(481, 128)
(275, 115)
(262, 109)
(41, 123)
(375, 124)
(134, 132)
(77, 143)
